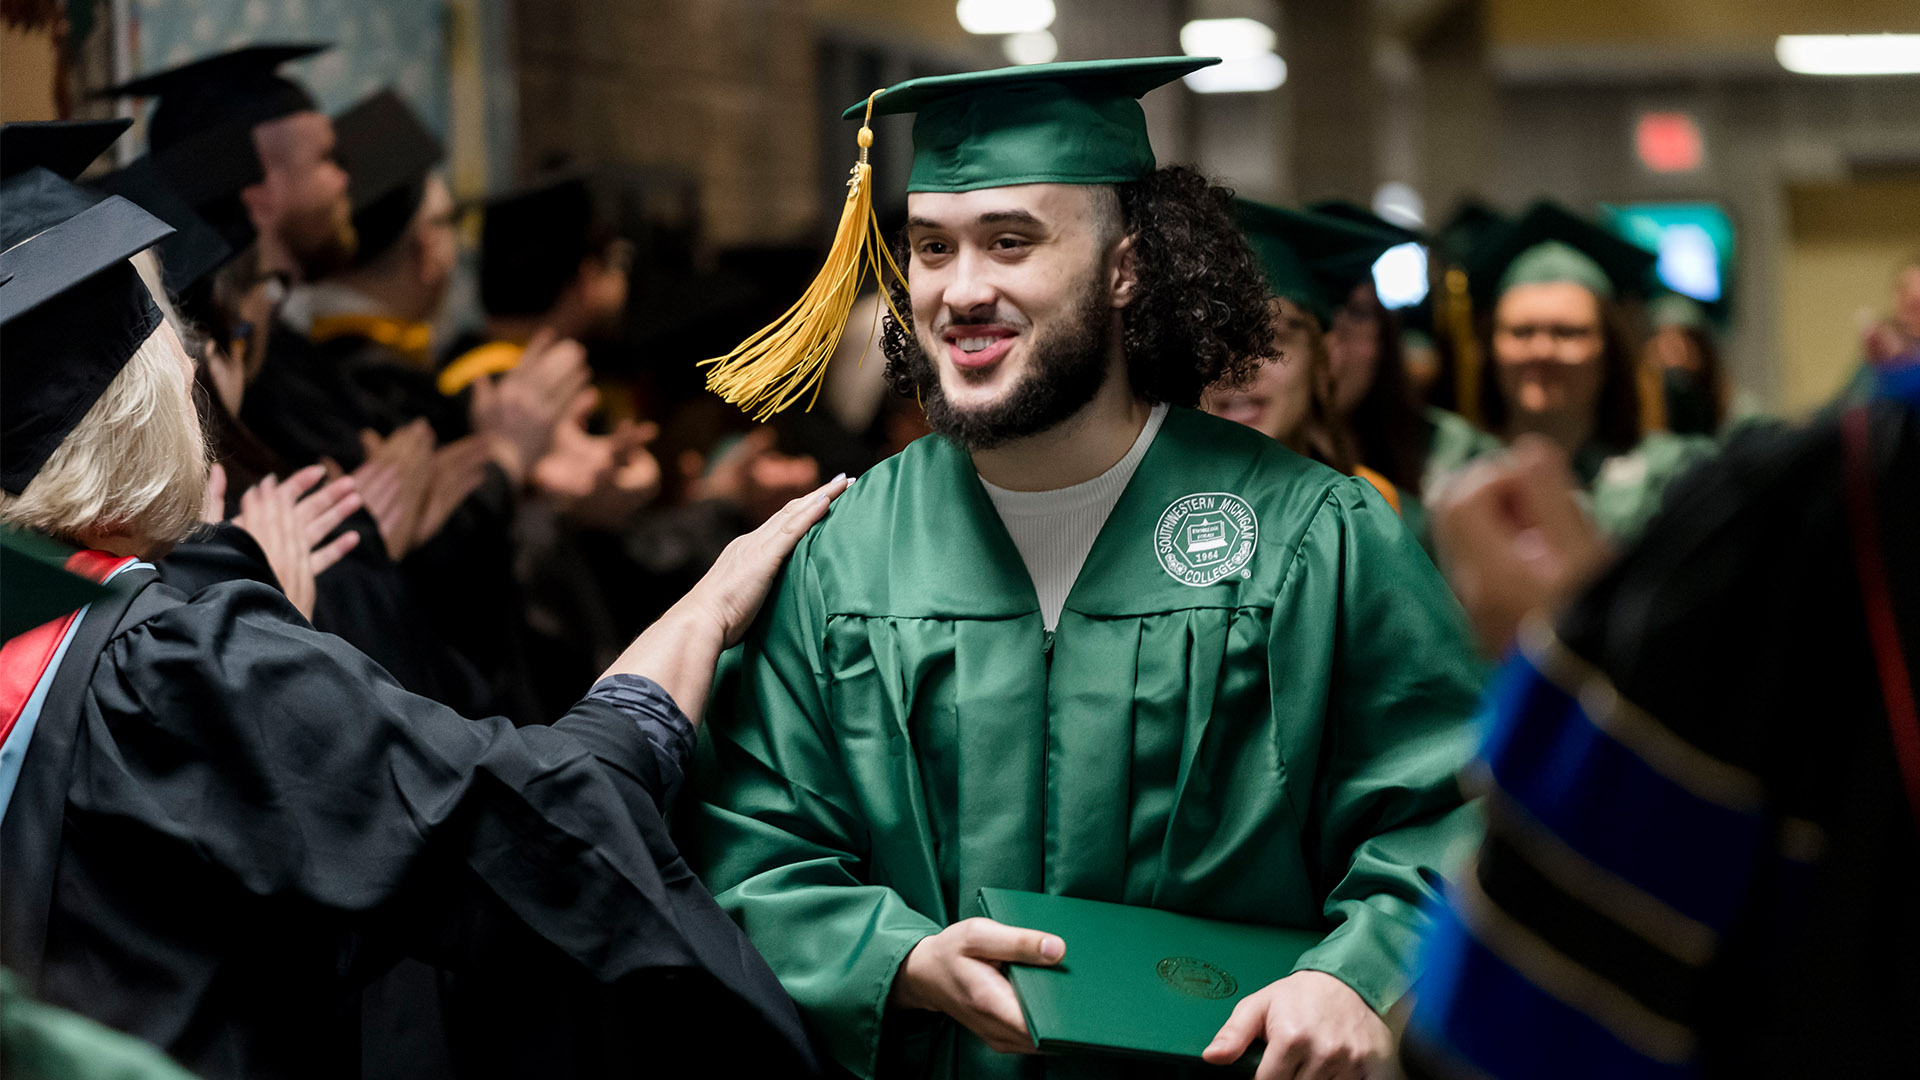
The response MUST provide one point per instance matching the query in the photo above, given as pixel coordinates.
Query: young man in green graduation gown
(1086, 640)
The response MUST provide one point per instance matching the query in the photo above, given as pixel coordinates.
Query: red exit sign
(1669, 142)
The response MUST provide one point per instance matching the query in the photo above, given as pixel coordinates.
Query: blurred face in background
(301, 202)
(436, 235)
(1547, 346)
(1279, 398)
(1672, 347)
(1353, 345)
(603, 283)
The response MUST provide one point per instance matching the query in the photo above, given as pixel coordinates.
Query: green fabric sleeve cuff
(1372, 951)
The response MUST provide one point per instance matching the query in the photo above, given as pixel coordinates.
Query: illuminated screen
(1695, 242)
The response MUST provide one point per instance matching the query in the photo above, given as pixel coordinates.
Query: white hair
(135, 465)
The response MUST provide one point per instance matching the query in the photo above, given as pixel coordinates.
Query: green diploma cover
(1137, 981)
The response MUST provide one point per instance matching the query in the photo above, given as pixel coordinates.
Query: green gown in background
(1278, 746)
(1625, 490)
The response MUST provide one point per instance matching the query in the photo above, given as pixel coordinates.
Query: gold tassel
(787, 359)
(1466, 346)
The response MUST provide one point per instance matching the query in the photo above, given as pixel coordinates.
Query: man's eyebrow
(991, 217)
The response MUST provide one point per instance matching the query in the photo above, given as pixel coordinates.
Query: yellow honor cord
(786, 360)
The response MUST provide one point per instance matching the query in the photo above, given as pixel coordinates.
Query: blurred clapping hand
(291, 520)
(411, 486)
(1514, 540)
(519, 413)
(599, 481)
(752, 475)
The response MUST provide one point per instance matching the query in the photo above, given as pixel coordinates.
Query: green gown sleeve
(1629, 488)
(1388, 809)
(781, 839)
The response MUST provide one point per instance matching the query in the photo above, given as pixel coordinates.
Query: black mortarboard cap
(35, 585)
(235, 86)
(196, 248)
(387, 153)
(63, 147)
(532, 242)
(72, 310)
(1550, 243)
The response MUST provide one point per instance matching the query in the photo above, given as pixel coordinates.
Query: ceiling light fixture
(1245, 48)
(1004, 16)
(1849, 54)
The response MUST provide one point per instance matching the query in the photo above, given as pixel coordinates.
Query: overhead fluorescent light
(1247, 75)
(1004, 16)
(1032, 47)
(1228, 39)
(1398, 202)
(1849, 54)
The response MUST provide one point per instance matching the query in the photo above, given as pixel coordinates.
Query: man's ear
(259, 205)
(1123, 278)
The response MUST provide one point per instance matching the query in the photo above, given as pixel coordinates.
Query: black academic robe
(311, 400)
(364, 599)
(1740, 625)
(227, 822)
(1696, 816)
(302, 406)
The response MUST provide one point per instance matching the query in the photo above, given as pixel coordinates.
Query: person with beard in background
(1067, 643)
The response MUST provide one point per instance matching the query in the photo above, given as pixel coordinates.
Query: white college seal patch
(1204, 537)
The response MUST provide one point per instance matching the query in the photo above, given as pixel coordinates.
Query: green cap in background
(1549, 244)
(1360, 215)
(35, 585)
(1470, 226)
(1673, 309)
(1311, 259)
(1067, 123)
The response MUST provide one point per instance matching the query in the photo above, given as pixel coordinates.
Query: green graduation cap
(1311, 259)
(35, 585)
(1360, 215)
(1673, 309)
(1070, 123)
(1471, 224)
(1550, 243)
(1067, 123)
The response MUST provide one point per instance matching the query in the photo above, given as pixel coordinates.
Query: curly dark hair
(1199, 317)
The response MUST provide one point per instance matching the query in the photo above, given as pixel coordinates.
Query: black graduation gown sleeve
(259, 818)
(217, 553)
(363, 599)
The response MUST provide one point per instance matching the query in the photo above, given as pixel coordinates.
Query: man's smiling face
(1013, 296)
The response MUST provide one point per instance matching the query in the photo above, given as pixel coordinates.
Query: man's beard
(320, 244)
(1068, 367)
